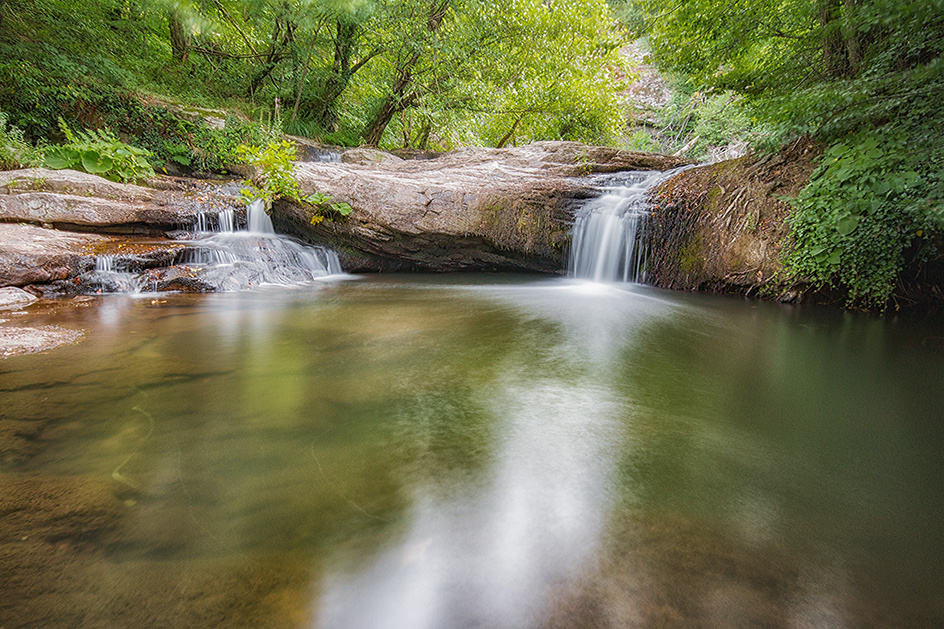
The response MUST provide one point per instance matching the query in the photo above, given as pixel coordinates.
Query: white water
(222, 258)
(609, 243)
(258, 219)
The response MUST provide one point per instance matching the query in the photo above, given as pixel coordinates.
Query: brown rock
(473, 208)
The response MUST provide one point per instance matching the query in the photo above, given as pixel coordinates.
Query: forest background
(861, 77)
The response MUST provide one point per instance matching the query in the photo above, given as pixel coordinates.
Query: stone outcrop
(721, 227)
(470, 209)
(76, 201)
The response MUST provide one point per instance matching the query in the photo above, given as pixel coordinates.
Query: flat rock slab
(16, 340)
(74, 200)
(470, 209)
(34, 255)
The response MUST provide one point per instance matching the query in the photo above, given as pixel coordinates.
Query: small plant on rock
(275, 179)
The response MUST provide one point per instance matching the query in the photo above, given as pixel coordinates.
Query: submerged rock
(12, 297)
(470, 209)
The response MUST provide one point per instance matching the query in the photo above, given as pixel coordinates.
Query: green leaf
(846, 225)
(63, 157)
(342, 208)
(96, 163)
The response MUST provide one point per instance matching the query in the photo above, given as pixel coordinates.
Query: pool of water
(473, 451)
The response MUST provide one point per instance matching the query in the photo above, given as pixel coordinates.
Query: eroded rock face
(35, 255)
(721, 227)
(73, 200)
(470, 209)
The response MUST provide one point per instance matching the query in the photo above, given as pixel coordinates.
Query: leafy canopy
(863, 76)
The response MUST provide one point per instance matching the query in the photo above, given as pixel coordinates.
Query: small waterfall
(609, 243)
(221, 221)
(258, 219)
(220, 257)
(113, 275)
(230, 259)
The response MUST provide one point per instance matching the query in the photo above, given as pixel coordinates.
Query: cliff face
(721, 228)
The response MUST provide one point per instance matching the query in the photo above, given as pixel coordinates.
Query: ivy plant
(857, 216)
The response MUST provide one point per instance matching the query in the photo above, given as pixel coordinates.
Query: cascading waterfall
(221, 257)
(609, 243)
(221, 221)
(240, 259)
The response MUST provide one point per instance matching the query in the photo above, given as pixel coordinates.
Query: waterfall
(609, 242)
(258, 219)
(235, 259)
(220, 257)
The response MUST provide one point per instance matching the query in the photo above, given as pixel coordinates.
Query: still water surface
(441, 452)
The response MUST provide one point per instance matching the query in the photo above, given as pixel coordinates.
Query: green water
(440, 452)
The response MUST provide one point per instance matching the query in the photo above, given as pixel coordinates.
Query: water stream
(609, 241)
(223, 257)
(440, 452)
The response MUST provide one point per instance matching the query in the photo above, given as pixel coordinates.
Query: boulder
(470, 209)
(31, 255)
(74, 200)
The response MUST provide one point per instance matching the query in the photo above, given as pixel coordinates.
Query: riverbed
(472, 451)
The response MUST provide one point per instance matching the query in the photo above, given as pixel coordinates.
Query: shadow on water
(401, 452)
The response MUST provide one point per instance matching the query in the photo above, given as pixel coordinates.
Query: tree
(863, 76)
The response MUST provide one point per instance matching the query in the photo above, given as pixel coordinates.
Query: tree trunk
(401, 97)
(839, 39)
(179, 38)
(282, 37)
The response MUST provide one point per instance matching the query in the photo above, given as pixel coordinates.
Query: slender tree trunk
(833, 44)
(179, 38)
(511, 133)
(282, 37)
(401, 97)
(852, 37)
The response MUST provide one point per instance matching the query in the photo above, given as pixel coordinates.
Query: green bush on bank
(867, 204)
(15, 151)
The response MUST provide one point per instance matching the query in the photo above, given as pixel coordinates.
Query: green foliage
(15, 151)
(423, 73)
(864, 77)
(322, 203)
(276, 175)
(100, 153)
(276, 179)
(867, 203)
(696, 122)
(641, 140)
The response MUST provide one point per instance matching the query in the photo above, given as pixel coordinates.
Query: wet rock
(11, 297)
(470, 209)
(720, 228)
(34, 255)
(31, 254)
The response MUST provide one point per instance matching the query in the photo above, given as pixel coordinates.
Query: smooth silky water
(484, 451)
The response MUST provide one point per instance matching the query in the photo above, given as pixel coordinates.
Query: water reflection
(474, 452)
